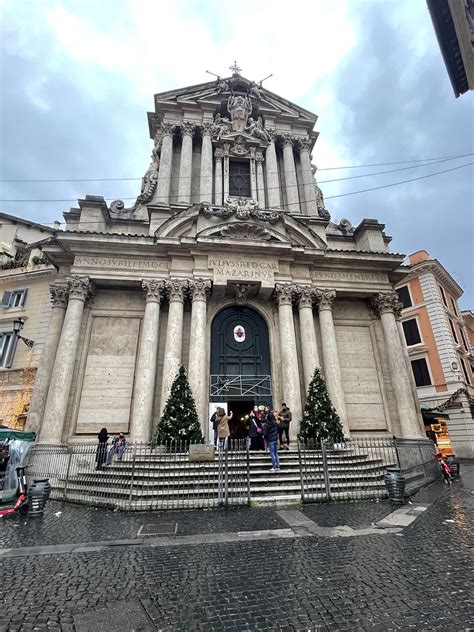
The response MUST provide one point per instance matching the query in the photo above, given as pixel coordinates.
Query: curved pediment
(241, 222)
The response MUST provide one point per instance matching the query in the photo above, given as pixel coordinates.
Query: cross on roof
(235, 67)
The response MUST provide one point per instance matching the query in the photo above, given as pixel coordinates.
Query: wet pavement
(419, 579)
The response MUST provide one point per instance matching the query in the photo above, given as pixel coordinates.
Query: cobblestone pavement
(420, 579)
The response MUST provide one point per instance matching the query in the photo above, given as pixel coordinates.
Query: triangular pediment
(214, 92)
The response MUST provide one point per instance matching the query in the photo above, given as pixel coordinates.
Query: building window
(453, 305)
(420, 372)
(464, 342)
(404, 296)
(453, 330)
(239, 179)
(14, 298)
(412, 334)
(443, 296)
(8, 342)
(465, 371)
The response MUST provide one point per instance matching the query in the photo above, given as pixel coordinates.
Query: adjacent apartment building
(440, 353)
(25, 275)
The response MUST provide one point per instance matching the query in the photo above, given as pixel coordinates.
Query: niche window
(239, 178)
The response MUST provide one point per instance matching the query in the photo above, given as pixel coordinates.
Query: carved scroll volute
(325, 298)
(199, 289)
(176, 288)
(59, 295)
(384, 302)
(153, 289)
(284, 293)
(79, 287)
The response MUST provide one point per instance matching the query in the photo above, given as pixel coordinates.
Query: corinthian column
(61, 377)
(332, 369)
(273, 180)
(309, 346)
(260, 183)
(205, 189)
(288, 353)
(166, 161)
(59, 295)
(145, 373)
(218, 155)
(199, 290)
(186, 163)
(385, 304)
(174, 336)
(291, 184)
(309, 193)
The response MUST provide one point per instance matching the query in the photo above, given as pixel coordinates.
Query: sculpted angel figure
(256, 90)
(222, 125)
(255, 128)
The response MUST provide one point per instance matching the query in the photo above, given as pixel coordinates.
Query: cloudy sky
(78, 76)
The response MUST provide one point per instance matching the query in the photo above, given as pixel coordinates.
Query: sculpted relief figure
(256, 128)
(222, 125)
(239, 107)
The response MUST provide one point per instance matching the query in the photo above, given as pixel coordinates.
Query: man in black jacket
(270, 432)
(284, 427)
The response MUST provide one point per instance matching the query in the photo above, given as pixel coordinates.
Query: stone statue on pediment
(256, 90)
(239, 107)
(256, 129)
(222, 126)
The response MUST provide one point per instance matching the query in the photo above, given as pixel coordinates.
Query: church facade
(228, 262)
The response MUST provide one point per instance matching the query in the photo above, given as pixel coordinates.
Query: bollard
(395, 485)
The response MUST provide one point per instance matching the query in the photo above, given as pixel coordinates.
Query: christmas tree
(320, 420)
(180, 421)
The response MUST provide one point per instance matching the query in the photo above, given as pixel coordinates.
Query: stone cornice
(441, 274)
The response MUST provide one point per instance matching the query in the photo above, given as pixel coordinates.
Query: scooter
(21, 504)
(445, 469)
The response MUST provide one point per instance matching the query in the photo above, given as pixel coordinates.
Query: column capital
(199, 289)
(284, 293)
(384, 302)
(79, 287)
(167, 129)
(304, 144)
(325, 298)
(153, 289)
(59, 295)
(306, 296)
(207, 128)
(272, 134)
(175, 289)
(187, 128)
(287, 140)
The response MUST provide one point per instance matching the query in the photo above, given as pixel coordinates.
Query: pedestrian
(101, 452)
(214, 426)
(223, 431)
(284, 426)
(255, 431)
(270, 431)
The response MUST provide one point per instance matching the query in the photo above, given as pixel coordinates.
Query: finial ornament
(235, 68)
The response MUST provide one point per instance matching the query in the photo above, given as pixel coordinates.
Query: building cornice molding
(441, 274)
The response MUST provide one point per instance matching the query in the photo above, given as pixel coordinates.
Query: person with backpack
(270, 432)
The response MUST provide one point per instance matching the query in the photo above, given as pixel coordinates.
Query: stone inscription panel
(150, 265)
(108, 379)
(339, 275)
(240, 268)
(365, 410)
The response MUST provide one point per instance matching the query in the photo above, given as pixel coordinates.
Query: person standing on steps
(101, 452)
(270, 432)
(284, 427)
(223, 430)
(214, 426)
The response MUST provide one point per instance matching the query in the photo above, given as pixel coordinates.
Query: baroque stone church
(228, 262)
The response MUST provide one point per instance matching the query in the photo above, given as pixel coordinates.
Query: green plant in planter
(179, 422)
(320, 420)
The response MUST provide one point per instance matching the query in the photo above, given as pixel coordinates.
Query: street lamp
(18, 324)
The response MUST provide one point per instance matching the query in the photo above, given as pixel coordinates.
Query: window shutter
(23, 298)
(6, 298)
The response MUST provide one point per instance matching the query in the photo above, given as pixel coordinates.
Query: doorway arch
(240, 359)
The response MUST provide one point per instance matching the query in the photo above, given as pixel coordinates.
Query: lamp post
(17, 327)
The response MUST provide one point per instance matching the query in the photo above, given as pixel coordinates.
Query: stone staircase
(166, 481)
